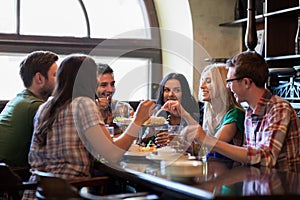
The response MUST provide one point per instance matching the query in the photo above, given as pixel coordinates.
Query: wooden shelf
(283, 61)
(283, 11)
(260, 18)
(280, 24)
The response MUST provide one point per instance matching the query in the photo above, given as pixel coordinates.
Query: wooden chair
(11, 184)
(51, 186)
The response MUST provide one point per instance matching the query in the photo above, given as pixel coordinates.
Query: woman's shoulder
(85, 101)
(235, 113)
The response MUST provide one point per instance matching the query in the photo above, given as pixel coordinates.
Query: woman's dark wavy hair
(76, 76)
(187, 100)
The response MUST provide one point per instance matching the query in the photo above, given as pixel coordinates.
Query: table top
(218, 178)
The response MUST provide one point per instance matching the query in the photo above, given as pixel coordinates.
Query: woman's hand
(143, 112)
(173, 107)
(162, 138)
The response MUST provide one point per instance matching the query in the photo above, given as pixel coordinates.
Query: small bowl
(165, 151)
(185, 168)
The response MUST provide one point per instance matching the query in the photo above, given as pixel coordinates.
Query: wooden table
(220, 179)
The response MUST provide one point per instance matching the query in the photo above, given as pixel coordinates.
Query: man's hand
(144, 111)
(103, 103)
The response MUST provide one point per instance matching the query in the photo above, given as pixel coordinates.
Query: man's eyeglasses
(233, 79)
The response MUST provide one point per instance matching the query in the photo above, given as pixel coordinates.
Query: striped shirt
(272, 133)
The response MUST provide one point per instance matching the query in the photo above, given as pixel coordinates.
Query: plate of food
(136, 150)
(155, 121)
(122, 121)
(165, 154)
(151, 122)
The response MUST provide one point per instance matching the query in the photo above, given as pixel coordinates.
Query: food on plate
(122, 120)
(155, 121)
(147, 149)
(138, 148)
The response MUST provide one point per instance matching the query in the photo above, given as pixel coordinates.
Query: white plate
(150, 125)
(138, 154)
(171, 157)
(121, 124)
(123, 121)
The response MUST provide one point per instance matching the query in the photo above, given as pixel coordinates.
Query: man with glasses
(272, 132)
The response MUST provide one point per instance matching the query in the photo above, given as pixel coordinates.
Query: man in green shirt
(38, 73)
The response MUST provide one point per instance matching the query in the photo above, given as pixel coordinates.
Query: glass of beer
(175, 137)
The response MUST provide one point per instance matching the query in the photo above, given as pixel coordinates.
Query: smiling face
(235, 85)
(106, 85)
(206, 87)
(172, 90)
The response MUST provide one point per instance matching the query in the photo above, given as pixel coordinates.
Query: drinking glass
(111, 130)
(161, 135)
(176, 137)
(200, 151)
(119, 109)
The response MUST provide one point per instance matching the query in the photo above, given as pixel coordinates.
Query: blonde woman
(223, 116)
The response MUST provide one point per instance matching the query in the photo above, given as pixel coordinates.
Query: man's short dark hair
(37, 61)
(250, 64)
(104, 69)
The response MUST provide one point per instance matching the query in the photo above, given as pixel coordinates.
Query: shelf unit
(280, 23)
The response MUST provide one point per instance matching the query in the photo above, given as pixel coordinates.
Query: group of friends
(58, 123)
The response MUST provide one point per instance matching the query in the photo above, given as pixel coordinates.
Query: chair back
(8, 179)
(51, 186)
(11, 185)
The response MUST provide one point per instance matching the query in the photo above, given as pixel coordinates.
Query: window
(124, 31)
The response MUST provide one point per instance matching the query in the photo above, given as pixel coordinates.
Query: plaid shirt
(272, 133)
(65, 153)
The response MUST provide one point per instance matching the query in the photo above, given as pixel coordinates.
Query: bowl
(185, 168)
(165, 151)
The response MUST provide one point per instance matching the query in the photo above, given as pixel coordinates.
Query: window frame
(132, 48)
(144, 48)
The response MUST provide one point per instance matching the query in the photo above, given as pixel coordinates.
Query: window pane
(9, 76)
(129, 86)
(107, 18)
(8, 19)
(52, 18)
(116, 19)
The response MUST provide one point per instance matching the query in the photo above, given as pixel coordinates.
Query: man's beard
(45, 93)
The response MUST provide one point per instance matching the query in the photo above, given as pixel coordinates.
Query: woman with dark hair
(68, 130)
(175, 86)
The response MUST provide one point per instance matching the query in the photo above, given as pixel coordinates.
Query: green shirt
(16, 127)
(234, 115)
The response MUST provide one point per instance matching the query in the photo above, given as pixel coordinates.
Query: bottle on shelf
(240, 9)
(297, 40)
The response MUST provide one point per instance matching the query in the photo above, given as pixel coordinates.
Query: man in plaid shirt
(272, 135)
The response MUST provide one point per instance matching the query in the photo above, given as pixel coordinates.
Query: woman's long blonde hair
(222, 99)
